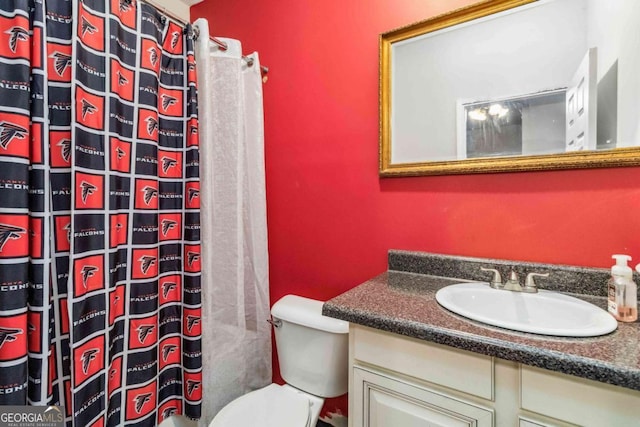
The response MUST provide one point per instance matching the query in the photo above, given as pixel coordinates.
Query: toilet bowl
(312, 355)
(273, 405)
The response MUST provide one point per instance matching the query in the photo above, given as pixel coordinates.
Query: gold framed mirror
(512, 85)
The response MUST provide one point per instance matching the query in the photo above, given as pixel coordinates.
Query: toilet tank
(312, 348)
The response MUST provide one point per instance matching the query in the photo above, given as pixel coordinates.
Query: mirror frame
(617, 157)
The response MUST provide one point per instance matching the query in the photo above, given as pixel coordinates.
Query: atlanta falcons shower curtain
(99, 212)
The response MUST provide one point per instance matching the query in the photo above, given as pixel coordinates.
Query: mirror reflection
(548, 77)
(526, 125)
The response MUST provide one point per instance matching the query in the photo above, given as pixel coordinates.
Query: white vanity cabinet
(391, 401)
(397, 381)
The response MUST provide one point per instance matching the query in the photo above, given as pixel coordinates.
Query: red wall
(332, 219)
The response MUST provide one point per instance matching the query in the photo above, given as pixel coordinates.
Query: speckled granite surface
(404, 303)
(562, 278)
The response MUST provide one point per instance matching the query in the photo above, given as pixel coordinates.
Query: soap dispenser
(622, 291)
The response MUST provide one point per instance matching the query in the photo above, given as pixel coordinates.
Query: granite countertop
(404, 303)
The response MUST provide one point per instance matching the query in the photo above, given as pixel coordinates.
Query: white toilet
(312, 354)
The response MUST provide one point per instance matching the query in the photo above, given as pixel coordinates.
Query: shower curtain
(99, 214)
(236, 338)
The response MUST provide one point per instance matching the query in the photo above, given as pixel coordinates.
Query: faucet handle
(530, 283)
(496, 282)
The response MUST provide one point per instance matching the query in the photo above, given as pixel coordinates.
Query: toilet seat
(271, 406)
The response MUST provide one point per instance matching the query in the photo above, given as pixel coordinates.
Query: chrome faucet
(513, 284)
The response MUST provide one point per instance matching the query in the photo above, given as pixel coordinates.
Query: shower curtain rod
(222, 45)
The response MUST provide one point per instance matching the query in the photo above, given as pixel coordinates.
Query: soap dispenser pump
(622, 291)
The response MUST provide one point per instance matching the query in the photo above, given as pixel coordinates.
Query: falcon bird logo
(175, 37)
(87, 108)
(120, 153)
(67, 228)
(112, 373)
(167, 350)
(167, 225)
(192, 257)
(191, 66)
(87, 272)
(16, 34)
(65, 147)
(168, 101)
(168, 287)
(152, 125)
(149, 193)
(61, 62)
(193, 129)
(87, 357)
(193, 193)
(192, 321)
(146, 262)
(192, 385)
(8, 335)
(9, 131)
(125, 5)
(144, 331)
(167, 412)
(168, 162)
(31, 328)
(153, 55)
(88, 27)
(116, 298)
(87, 190)
(9, 232)
(122, 80)
(140, 400)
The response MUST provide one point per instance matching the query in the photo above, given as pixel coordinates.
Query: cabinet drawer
(385, 401)
(578, 400)
(457, 369)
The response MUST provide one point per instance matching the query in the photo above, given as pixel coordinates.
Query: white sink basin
(545, 313)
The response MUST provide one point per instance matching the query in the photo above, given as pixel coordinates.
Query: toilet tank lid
(307, 312)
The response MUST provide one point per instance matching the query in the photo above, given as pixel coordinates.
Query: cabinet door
(528, 422)
(382, 400)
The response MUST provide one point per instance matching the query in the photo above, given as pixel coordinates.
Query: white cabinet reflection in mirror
(581, 108)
